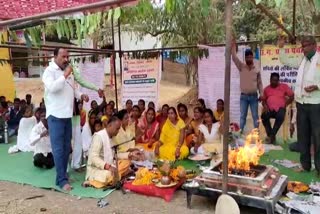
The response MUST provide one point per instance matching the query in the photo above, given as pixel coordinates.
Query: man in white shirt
(39, 138)
(60, 92)
(307, 97)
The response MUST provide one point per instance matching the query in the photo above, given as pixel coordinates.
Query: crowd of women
(169, 133)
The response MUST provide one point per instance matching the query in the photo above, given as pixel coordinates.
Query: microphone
(117, 145)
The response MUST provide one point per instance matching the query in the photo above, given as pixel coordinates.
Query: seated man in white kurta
(101, 167)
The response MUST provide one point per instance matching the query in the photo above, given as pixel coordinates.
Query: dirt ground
(14, 200)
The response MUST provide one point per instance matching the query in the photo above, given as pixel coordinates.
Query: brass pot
(182, 173)
(165, 180)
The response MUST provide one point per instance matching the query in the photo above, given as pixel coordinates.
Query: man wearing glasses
(307, 97)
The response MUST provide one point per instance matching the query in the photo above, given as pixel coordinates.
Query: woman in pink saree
(148, 131)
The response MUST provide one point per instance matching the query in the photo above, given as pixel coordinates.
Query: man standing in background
(307, 97)
(250, 84)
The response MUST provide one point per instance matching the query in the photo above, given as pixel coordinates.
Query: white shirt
(25, 127)
(41, 144)
(86, 137)
(213, 135)
(59, 92)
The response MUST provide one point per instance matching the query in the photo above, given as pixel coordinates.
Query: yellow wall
(7, 87)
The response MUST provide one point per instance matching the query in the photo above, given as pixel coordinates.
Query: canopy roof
(15, 9)
(20, 8)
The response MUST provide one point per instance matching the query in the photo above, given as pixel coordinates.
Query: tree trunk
(187, 72)
(226, 122)
(195, 70)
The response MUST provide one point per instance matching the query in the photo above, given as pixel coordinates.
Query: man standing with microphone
(60, 92)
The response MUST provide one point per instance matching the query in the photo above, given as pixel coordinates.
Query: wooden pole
(294, 20)
(114, 63)
(93, 50)
(45, 57)
(100, 4)
(120, 49)
(226, 122)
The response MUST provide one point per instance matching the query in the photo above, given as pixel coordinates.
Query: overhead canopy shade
(21, 8)
(17, 11)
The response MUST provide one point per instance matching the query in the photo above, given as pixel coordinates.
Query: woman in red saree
(163, 116)
(148, 131)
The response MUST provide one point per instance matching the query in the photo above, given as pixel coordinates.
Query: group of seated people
(167, 134)
(30, 126)
(145, 134)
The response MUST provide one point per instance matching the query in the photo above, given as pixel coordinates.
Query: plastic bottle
(6, 140)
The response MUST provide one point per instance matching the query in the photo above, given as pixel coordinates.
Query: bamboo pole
(294, 20)
(44, 57)
(120, 49)
(67, 47)
(86, 7)
(226, 122)
(101, 51)
(70, 50)
(114, 64)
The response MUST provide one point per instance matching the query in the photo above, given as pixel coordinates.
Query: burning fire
(242, 158)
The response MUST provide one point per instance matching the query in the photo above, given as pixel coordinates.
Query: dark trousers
(41, 161)
(60, 130)
(279, 118)
(308, 130)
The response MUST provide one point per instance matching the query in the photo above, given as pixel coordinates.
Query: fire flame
(244, 157)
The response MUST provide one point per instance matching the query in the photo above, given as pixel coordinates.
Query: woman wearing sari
(201, 103)
(218, 113)
(129, 105)
(209, 136)
(148, 131)
(183, 113)
(108, 114)
(126, 133)
(192, 131)
(171, 145)
(88, 131)
(134, 115)
(163, 116)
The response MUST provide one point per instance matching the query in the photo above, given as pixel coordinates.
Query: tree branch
(157, 33)
(274, 19)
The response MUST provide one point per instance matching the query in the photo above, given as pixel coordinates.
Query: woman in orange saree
(192, 131)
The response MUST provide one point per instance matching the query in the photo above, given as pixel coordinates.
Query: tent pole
(114, 63)
(294, 20)
(120, 49)
(228, 24)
